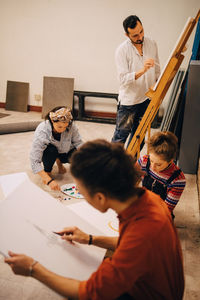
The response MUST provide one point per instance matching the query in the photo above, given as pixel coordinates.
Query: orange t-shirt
(147, 263)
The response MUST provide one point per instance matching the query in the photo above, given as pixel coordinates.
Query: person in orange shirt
(147, 261)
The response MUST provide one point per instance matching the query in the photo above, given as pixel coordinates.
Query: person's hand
(46, 178)
(54, 186)
(74, 234)
(19, 263)
(149, 63)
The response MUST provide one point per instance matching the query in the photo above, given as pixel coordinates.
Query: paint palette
(71, 190)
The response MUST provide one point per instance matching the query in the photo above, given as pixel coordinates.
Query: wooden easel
(157, 93)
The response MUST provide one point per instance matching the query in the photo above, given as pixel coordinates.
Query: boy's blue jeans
(127, 121)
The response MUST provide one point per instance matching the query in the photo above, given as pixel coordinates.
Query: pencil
(58, 233)
(156, 64)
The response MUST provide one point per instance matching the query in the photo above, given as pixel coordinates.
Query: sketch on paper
(52, 239)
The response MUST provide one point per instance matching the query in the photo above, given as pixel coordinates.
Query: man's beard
(139, 42)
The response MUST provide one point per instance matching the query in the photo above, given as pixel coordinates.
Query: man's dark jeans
(128, 119)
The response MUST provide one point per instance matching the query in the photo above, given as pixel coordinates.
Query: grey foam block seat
(18, 127)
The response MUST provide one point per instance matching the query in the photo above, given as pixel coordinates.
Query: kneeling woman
(55, 140)
(162, 176)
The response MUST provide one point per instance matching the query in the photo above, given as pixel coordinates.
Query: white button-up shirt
(128, 62)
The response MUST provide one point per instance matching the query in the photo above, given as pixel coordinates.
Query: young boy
(162, 176)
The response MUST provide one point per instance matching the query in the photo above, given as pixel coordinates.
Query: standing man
(138, 69)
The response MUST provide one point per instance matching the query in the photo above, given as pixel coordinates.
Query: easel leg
(149, 135)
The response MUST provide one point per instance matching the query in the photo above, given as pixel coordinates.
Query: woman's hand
(46, 178)
(19, 263)
(54, 186)
(74, 234)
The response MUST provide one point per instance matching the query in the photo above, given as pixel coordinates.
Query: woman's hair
(164, 144)
(58, 108)
(106, 167)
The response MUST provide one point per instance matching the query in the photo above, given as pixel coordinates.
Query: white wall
(78, 39)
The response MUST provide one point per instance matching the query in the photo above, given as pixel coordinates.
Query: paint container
(67, 198)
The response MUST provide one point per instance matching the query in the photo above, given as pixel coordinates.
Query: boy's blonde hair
(164, 144)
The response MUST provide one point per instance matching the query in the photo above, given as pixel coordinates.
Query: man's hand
(19, 263)
(149, 63)
(74, 234)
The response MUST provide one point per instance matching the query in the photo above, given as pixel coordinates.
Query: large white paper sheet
(27, 218)
(2, 196)
(11, 181)
(107, 222)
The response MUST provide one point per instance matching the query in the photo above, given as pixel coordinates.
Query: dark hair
(53, 110)
(106, 167)
(130, 22)
(164, 144)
